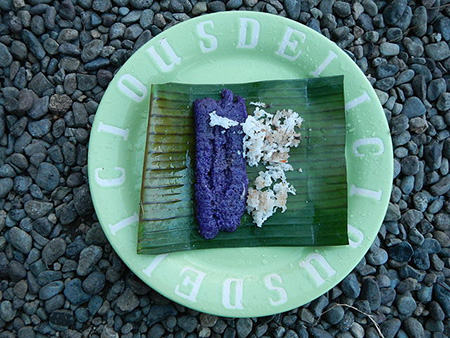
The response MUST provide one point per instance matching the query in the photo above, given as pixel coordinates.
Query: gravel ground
(59, 276)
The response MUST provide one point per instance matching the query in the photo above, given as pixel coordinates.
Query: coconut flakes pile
(268, 139)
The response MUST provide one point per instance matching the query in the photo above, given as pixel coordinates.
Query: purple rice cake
(221, 179)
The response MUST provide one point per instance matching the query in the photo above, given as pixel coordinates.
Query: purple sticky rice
(221, 179)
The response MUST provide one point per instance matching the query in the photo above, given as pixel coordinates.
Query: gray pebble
(47, 176)
(36, 209)
(5, 56)
(414, 48)
(377, 257)
(50, 290)
(40, 84)
(441, 187)
(33, 44)
(401, 252)
(413, 107)
(59, 103)
(94, 283)
(390, 327)
(117, 30)
(406, 305)
(413, 327)
(442, 25)
(418, 125)
(243, 327)
(198, 9)
(128, 301)
(88, 258)
(101, 6)
(91, 50)
(62, 318)
(74, 293)
(7, 312)
(21, 240)
(293, 8)
(141, 4)
(39, 128)
(443, 103)
(6, 184)
(419, 21)
(342, 9)
(53, 250)
(394, 11)
(389, 49)
(438, 51)
(335, 314)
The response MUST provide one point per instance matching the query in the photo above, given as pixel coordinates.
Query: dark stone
(94, 283)
(53, 250)
(50, 290)
(36, 209)
(371, 292)
(293, 8)
(47, 176)
(74, 292)
(19, 239)
(62, 317)
(33, 44)
(127, 301)
(390, 327)
(335, 314)
(413, 107)
(413, 328)
(401, 252)
(88, 258)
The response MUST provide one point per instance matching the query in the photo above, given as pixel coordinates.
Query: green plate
(237, 47)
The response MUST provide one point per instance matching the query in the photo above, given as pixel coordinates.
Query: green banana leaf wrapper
(315, 216)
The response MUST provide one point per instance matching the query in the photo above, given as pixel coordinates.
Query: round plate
(227, 48)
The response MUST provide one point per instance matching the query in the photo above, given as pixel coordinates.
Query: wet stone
(401, 252)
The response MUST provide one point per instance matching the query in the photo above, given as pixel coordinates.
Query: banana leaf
(315, 216)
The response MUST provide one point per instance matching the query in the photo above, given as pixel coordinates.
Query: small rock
(47, 177)
(406, 305)
(371, 292)
(390, 327)
(394, 11)
(377, 257)
(36, 209)
(50, 290)
(101, 6)
(21, 240)
(62, 317)
(335, 314)
(53, 250)
(94, 283)
(243, 327)
(91, 50)
(60, 103)
(443, 102)
(413, 328)
(74, 293)
(441, 187)
(401, 252)
(7, 312)
(88, 258)
(33, 44)
(438, 51)
(199, 8)
(128, 301)
(413, 107)
(5, 56)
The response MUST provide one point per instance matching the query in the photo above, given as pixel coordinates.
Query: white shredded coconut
(216, 120)
(259, 104)
(268, 139)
